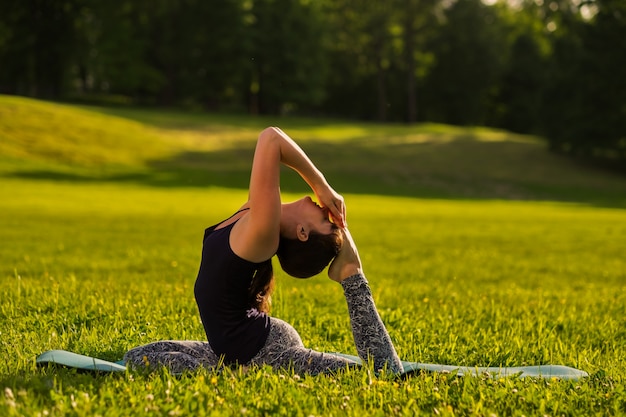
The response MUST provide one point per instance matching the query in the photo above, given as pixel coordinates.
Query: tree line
(551, 67)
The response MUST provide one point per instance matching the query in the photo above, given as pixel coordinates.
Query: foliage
(468, 64)
(101, 255)
(288, 66)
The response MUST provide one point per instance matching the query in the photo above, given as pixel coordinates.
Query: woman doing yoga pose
(235, 279)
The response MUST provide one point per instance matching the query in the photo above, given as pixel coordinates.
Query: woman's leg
(176, 355)
(284, 349)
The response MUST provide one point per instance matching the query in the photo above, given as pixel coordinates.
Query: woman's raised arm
(261, 229)
(294, 157)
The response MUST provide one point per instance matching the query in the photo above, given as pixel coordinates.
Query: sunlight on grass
(67, 134)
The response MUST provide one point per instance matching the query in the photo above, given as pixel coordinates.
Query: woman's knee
(282, 334)
(281, 339)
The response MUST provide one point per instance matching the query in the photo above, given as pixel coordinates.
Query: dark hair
(261, 287)
(298, 259)
(305, 259)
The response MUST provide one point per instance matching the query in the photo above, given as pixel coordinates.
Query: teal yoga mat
(537, 371)
(74, 360)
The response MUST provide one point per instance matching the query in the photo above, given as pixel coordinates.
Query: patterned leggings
(284, 348)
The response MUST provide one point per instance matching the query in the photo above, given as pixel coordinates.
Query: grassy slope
(173, 149)
(104, 260)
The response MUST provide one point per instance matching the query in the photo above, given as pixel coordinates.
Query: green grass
(101, 242)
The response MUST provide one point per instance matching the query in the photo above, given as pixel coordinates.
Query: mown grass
(100, 256)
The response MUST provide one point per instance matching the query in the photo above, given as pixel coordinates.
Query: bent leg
(370, 335)
(176, 355)
(284, 349)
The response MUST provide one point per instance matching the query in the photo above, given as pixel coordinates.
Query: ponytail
(262, 286)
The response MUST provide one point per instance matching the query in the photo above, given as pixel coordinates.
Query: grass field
(481, 249)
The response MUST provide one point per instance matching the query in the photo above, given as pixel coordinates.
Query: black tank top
(234, 329)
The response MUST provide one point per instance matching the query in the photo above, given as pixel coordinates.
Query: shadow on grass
(464, 168)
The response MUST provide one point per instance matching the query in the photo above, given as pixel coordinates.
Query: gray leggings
(284, 348)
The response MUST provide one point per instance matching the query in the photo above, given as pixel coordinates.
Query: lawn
(481, 249)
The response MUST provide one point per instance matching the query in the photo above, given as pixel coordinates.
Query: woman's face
(315, 216)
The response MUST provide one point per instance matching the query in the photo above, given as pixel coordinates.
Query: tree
(199, 49)
(36, 46)
(583, 112)
(361, 58)
(470, 52)
(417, 19)
(114, 53)
(520, 97)
(603, 127)
(287, 62)
(163, 51)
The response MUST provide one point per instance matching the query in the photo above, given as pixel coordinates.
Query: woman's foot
(347, 261)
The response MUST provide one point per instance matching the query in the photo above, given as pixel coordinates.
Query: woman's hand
(333, 201)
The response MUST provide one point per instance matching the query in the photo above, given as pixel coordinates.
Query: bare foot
(347, 261)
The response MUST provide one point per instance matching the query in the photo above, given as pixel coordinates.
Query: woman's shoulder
(248, 243)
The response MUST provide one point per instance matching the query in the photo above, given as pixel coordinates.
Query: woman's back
(234, 328)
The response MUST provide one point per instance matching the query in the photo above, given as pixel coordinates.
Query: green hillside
(40, 131)
(197, 149)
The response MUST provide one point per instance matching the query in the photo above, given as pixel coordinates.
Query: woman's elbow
(268, 132)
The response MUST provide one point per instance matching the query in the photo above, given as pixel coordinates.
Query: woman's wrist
(350, 271)
(319, 185)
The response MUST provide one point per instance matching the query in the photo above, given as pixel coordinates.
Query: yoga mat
(536, 371)
(74, 360)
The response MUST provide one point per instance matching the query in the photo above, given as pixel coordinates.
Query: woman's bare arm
(295, 158)
(258, 234)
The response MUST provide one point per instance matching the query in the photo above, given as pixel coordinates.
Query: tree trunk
(380, 82)
(409, 46)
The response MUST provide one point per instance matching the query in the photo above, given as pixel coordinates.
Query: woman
(235, 279)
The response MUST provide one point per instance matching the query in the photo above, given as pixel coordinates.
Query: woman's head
(298, 258)
(306, 258)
